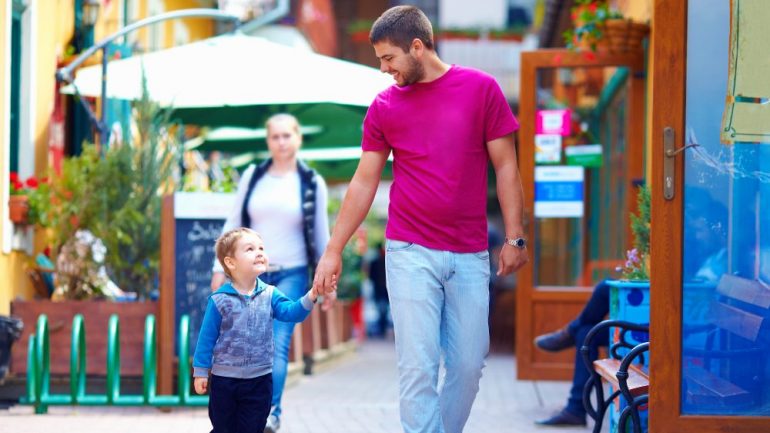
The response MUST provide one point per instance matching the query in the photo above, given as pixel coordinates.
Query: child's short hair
(225, 245)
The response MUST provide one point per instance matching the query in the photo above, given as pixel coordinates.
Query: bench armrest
(626, 326)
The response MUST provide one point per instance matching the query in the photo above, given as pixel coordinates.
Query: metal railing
(39, 372)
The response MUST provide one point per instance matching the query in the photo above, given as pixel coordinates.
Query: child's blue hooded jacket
(236, 337)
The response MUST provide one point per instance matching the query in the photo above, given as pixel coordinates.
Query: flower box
(96, 316)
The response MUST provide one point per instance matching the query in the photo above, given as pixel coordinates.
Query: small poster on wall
(586, 155)
(559, 191)
(548, 149)
(554, 122)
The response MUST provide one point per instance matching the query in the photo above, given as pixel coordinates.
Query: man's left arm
(502, 153)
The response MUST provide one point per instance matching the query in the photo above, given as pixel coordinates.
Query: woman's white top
(276, 214)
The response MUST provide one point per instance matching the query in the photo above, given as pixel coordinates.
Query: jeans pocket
(483, 255)
(394, 245)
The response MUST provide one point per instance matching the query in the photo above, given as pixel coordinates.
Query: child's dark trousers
(239, 405)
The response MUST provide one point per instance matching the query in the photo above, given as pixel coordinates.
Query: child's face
(249, 259)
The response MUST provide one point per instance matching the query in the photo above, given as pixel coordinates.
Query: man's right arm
(355, 206)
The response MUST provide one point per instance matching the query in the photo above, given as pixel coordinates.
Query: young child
(236, 338)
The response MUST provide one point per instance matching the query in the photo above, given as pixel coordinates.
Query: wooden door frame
(669, 54)
(526, 295)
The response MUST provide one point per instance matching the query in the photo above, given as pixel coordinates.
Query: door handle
(670, 151)
(669, 144)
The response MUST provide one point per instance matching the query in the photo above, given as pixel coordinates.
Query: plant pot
(18, 209)
(624, 35)
(361, 36)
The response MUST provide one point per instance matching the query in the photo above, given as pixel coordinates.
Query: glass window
(726, 239)
(581, 174)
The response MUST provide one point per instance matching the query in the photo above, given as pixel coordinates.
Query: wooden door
(710, 203)
(574, 242)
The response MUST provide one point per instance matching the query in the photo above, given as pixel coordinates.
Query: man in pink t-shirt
(443, 124)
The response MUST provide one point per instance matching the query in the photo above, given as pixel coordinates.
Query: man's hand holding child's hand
(201, 384)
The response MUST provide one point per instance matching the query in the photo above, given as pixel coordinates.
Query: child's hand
(201, 384)
(313, 294)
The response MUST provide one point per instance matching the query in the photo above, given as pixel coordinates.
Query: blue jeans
(439, 302)
(294, 283)
(594, 311)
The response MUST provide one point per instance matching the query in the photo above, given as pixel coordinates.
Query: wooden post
(165, 349)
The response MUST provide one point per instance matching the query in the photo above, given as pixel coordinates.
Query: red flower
(17, 185)
(32, 182)
(74, 220)
(589, 55)
(14, 177)
(592, 7)
(67, 194)
(44, 180)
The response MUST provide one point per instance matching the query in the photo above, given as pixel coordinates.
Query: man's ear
(417, 47)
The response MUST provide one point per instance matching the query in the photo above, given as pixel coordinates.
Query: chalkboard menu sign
(195, 255)
(198, 221)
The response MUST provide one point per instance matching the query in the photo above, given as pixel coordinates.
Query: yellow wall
(54, 23)
(640, 10)
(57, 18)
(111, 20)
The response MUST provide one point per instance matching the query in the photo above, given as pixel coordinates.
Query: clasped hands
(327, 273)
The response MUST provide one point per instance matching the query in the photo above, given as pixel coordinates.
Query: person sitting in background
(705, 259)
(380, 292)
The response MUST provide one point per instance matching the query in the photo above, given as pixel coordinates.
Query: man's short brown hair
(225, 245)
(400, 25)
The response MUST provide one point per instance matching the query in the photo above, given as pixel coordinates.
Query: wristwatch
(519, 243)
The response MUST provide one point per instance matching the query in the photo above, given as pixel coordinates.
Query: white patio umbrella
(235, 70)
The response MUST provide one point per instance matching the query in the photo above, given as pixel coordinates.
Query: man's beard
(415, 73)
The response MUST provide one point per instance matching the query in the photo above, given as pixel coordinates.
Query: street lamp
(90, 12)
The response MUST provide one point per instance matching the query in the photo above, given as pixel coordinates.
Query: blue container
(629, 301)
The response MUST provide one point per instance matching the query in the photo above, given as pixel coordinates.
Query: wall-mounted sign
(587, 155)
(548, 149)
(559, 191)
(747, 115)
(554, 122)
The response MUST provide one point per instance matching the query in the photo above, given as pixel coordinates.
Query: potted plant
(597, 27)
(19, 202)
(630, 295)
(509, 34)
(359, 30)
(101, 215)
(637, 266)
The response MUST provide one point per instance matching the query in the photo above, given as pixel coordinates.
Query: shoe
(308, 362)
(273, 424)
(563, 418)
(555, 341)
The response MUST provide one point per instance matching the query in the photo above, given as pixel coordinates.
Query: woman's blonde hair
(225, 245)
(284, 117)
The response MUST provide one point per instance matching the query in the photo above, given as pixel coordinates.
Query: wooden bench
(623, 370)
(736, 340)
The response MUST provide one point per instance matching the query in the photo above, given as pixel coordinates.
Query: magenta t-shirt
(438, 132)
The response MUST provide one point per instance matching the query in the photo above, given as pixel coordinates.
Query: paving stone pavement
(357, 393)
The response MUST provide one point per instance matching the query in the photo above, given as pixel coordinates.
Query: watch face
(518, 242)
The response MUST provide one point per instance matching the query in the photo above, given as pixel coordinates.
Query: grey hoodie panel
(245, 345)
